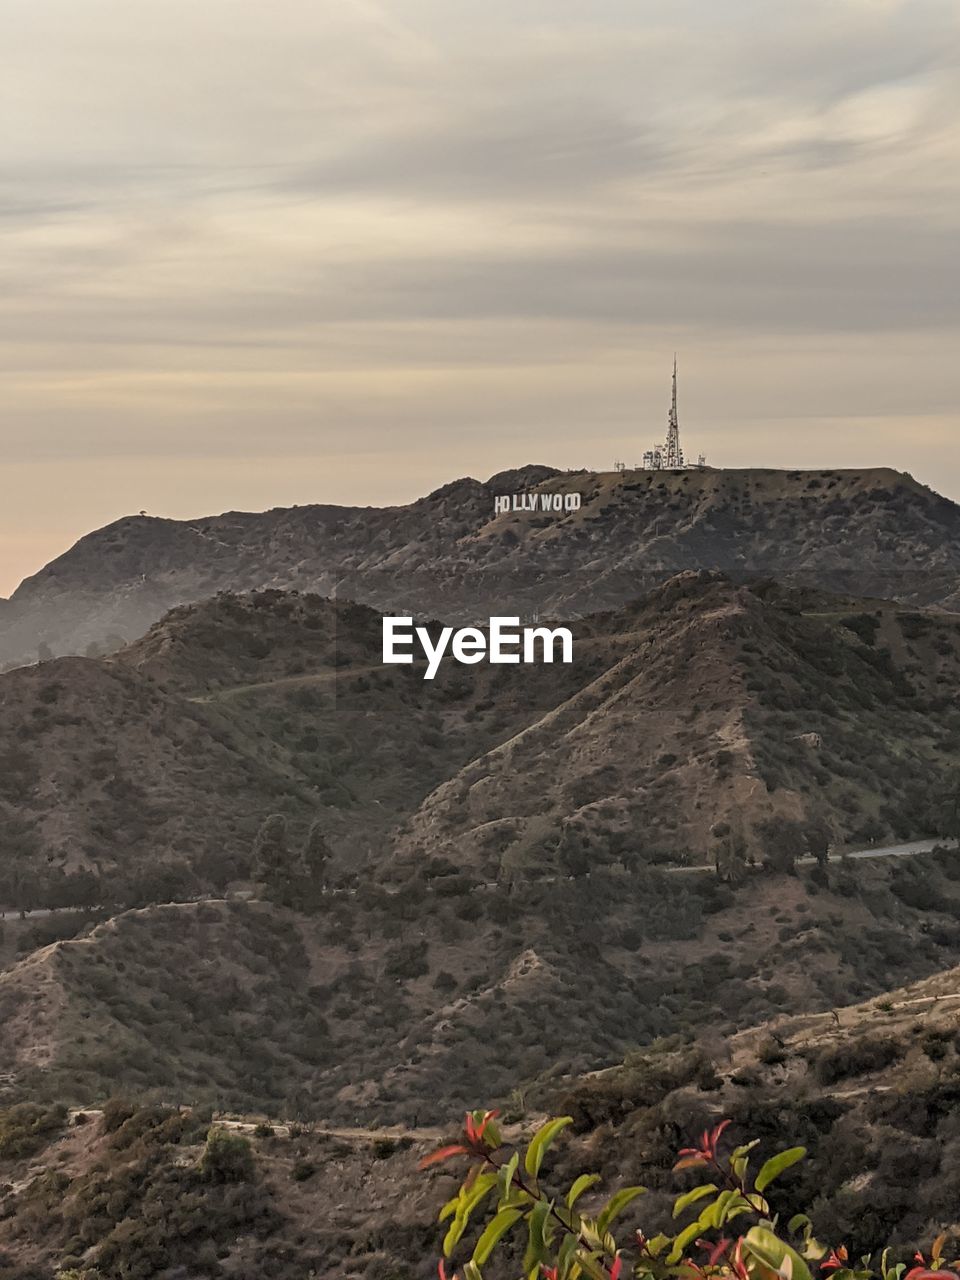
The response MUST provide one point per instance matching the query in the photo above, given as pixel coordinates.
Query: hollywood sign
(555, 503)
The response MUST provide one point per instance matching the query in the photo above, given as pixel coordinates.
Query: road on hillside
(894, 850)
(908, 850)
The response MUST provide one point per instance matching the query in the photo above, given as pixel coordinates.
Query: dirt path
(392, 1133)
(291, 682)
(247, 1124)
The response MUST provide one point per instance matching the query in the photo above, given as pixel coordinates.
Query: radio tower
(673, 454)
(669, 455)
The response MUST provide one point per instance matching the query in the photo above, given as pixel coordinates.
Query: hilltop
(874, 531)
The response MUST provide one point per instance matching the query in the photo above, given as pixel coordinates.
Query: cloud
(237, 213)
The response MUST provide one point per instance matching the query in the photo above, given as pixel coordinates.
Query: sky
(255, 254)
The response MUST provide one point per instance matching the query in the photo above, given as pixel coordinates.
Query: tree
(316, 854)
(573, 853)
(948, 810)
(227, 1157)
(730, 858)
(26, 890)
(784, 841)
(270, 847)
(818, 842)
(271, 858)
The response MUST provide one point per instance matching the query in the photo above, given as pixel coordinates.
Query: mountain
(873, 531)
(706, 720)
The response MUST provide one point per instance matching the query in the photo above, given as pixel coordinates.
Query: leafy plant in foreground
(732, 1234)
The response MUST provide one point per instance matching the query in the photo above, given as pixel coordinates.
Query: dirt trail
(345, 673)
(348, 1134)
(247, 1124)
(289, 682)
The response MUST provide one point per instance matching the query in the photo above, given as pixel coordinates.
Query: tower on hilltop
(669, 455)
(673, 460)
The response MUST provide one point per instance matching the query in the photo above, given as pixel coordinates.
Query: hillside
(159, 765)
(103, 773)
(723, 717)
(706, 720)
(870, 1089)
(250, 1006)
(128, 1189)
(874, 531)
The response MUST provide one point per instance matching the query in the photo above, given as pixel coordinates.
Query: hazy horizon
(344, 253)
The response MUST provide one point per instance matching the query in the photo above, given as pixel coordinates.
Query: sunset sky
(256, 254)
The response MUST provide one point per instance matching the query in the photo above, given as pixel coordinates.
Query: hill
(149, 773)
(706, 721)
(137, 1189)
(103, 774)
(870, 1090)
(723, 718)
(874, 531)
(386, 1005)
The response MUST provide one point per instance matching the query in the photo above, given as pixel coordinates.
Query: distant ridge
(873, 531)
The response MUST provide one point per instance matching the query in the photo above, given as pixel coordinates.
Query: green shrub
(227, 1157)
(723, 1226)
(27, 1127)
(856, 1058)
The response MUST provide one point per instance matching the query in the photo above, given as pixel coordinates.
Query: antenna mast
(669, 455)
(673, 461)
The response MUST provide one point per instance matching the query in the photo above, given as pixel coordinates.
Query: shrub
(116, 1112)
(26, 1127)
(227, 1157)
(856, 1058)
(727, 1230)
(772, 1053)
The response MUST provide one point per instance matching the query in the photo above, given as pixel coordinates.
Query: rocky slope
(875, 531)
(870, 1090)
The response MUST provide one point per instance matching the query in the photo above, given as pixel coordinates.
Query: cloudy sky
(263, 253)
